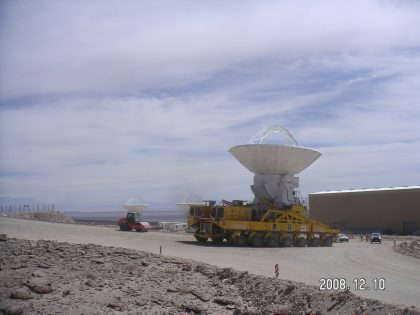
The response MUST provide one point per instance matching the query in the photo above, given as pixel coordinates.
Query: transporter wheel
(124, 227)
(240, 241)
(256, 241)
(272, 241)
(327, 242)
(201, 239)
(217, 240)
(229, 237)
(300, 242)
(314, 242)
(286, 242)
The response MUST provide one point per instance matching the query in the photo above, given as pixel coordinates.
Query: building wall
(368, 211)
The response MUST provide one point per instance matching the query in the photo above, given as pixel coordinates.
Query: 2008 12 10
(360, 284)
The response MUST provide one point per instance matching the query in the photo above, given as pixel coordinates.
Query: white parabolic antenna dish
(135, 205)
(269, 159)
(273, 159)
(191, 199)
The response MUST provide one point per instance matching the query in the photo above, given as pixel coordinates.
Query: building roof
(365, 190)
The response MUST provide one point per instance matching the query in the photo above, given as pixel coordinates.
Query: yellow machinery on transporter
(264, 224)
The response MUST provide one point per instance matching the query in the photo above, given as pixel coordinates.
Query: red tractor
(132, 222)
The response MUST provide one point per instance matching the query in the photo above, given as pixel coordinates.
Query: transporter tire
(124, 227)
(300, 242)
(256, 241)
(286, 242)
(272, 241)
(240, 241)
(327, 242)
(200, 239)
(314, 242)
(217, 240)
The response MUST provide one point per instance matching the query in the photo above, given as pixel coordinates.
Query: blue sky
(102, 101)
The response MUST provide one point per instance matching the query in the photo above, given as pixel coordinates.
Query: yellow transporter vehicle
(258, 225)
(277, 216)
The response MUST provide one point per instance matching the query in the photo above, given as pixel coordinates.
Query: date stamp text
(358, 284)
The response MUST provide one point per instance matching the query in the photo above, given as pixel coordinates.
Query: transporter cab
(263, 224)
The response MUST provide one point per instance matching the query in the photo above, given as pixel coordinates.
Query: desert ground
(308, 265)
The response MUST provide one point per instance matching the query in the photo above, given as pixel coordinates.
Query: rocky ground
(53, 216)
(46, 277)
(410, 248)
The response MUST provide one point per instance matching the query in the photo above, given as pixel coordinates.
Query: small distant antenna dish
(191, 199)
(135, 205)
(262, 135)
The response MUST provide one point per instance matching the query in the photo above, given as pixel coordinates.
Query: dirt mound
(48, 277)
(410, 248)
(42, 216)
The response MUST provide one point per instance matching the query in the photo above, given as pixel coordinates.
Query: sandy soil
(47, 277)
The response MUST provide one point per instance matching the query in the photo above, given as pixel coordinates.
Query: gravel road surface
(347, 260)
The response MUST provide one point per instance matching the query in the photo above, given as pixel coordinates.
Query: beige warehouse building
(386, 210)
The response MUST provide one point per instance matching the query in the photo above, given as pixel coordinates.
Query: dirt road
(308, 265)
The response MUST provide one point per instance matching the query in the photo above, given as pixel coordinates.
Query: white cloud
(61, 47)
(103, 101)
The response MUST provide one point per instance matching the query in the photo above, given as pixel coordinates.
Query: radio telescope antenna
(274, 165)
(191, 199)
(135, 205)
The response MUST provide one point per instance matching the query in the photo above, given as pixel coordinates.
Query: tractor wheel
(314, 242)
(272, 241)
(256, 241)
(124, 227)
(240, 241)
(300, 242)
(201, 239)
(286, 242)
